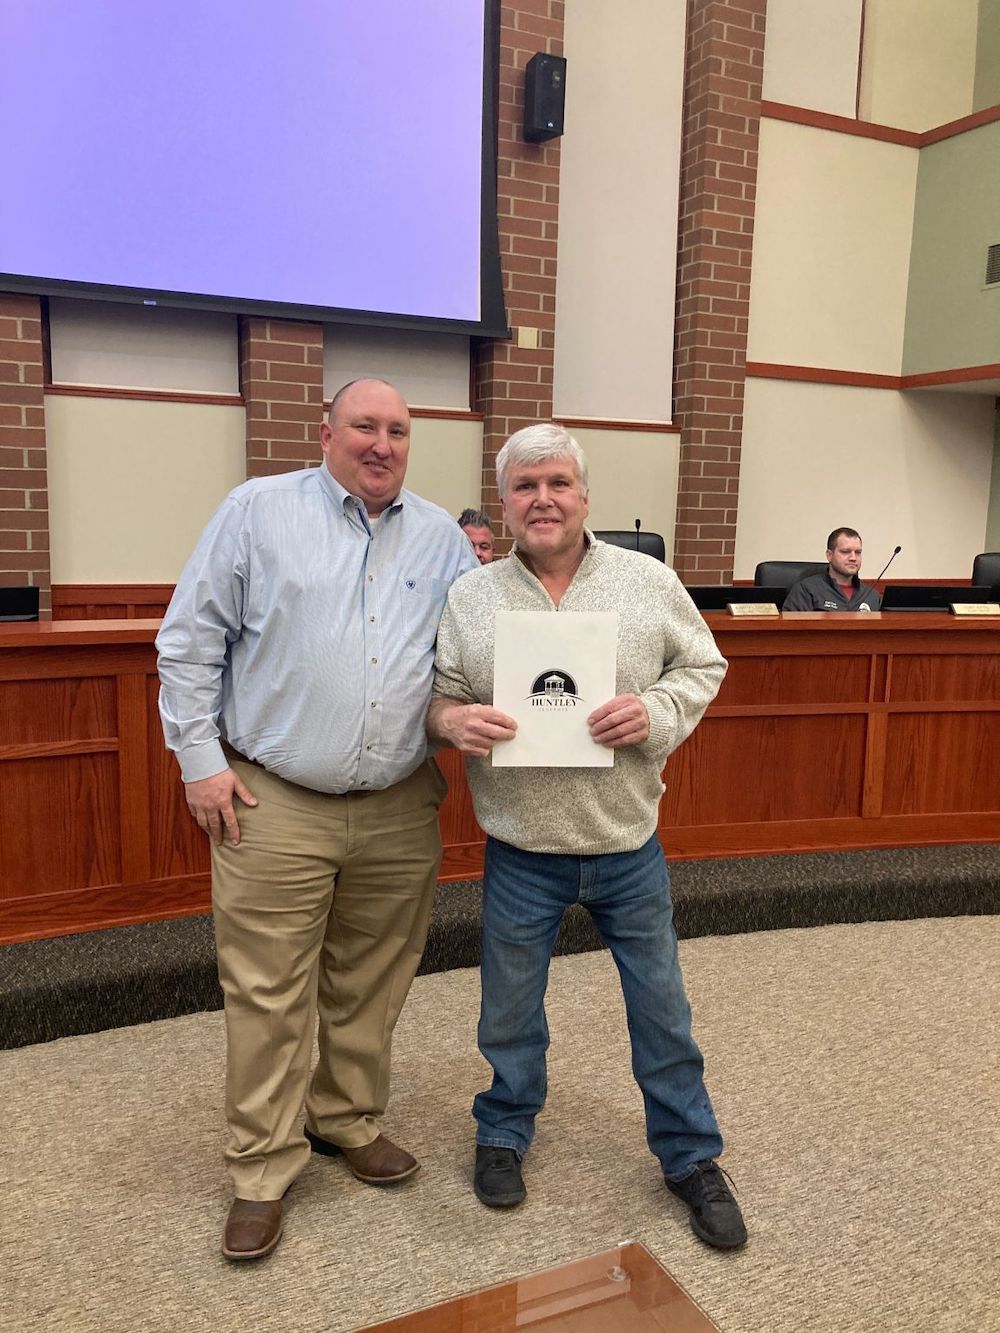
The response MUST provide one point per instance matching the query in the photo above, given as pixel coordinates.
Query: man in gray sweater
(597, 843)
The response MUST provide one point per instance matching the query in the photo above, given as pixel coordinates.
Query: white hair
(540, 444)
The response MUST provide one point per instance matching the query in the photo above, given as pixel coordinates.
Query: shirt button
(374, 705)
(370, 577)
(374, 661)
(368, 747)
(372, 619)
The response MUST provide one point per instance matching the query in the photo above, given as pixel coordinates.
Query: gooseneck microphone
(638, 525)
(867, 587)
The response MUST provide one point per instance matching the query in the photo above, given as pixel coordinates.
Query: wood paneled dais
(940, 763)
(60, 824)
(796, 680)
(36, 712)
(833, 732)
(760, 770)
(946, 677)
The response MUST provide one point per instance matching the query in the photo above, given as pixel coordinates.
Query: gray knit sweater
(666, 655)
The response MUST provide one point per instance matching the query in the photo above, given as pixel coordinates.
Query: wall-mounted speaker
(544, 97)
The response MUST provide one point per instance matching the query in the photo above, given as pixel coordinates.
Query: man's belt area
(231, 752)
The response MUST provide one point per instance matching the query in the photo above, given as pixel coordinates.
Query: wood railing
(838, 731)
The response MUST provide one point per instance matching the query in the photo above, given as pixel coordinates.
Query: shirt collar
(341, 495)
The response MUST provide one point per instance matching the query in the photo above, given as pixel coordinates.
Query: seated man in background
(587, 835)
(840, 588)
(478, 527)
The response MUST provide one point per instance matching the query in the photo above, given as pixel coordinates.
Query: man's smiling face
(544, 507)
(367, 441)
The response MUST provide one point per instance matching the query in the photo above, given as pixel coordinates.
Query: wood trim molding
(962, 375)
(144, 395)
(601, 423)
(867, 129)
(435, 413)
(771, 370)
(228, 400)
(961, 126)
(825, 120)
(446, 414)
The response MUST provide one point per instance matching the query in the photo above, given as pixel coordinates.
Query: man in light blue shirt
(296, 660)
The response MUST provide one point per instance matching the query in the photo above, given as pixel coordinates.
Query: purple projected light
(319, 152)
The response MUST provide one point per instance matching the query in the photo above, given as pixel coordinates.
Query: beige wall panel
(952, 317)
(811, 56)
(429, 369)
(618, 193)
(992, 540)
(446, 463)
(633, 474)
(831, 250)
(138, 347)
(918, 65)
(987, 86)
(131, 484)
(907, 468)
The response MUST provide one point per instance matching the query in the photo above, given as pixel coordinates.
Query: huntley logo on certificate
(552, 729)
(554, 689)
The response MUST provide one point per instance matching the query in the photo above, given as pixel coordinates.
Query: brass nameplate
(976, 608)
(752, 609)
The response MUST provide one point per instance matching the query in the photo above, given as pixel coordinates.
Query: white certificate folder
(550, 671)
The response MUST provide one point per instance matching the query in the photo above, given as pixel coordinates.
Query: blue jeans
(628, 896)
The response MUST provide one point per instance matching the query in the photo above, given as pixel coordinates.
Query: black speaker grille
(992, 264)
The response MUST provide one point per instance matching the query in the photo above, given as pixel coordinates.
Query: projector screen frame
(492, 322)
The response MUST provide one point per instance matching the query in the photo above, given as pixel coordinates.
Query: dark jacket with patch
(819, 592)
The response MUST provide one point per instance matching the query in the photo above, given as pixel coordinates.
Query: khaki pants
(324, 906)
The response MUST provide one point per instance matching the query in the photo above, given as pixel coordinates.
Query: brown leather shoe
(380, 1162)
(253, 1228)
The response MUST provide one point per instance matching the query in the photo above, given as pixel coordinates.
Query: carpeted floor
(854, 1069)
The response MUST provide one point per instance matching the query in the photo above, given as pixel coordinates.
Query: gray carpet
(135, 974)
(854, 1069)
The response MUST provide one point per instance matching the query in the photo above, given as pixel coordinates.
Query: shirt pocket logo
(423, 601)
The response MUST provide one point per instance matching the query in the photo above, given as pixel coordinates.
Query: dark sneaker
(498, 1180)
(715, 1215)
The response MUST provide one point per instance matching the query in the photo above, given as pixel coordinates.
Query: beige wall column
(281, 376)
(724, 68)
(512, 383)
(24, 496)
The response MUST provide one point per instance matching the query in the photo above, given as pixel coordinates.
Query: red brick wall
(723, 66)
(512, 385)
(24, 496)
(281, 376)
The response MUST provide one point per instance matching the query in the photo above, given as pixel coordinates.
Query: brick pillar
(24, 495)
(513, 385)
(281, 377)
(722, 90)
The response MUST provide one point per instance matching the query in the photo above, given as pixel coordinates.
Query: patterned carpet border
(138, 974)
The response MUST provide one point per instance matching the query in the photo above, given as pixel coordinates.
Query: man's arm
(692, 673)
(798, 598)
(203, 618)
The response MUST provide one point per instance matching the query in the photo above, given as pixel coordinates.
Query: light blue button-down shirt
(303, 632)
